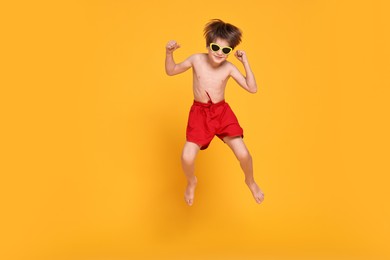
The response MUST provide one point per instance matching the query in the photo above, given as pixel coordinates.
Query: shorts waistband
(209, 104)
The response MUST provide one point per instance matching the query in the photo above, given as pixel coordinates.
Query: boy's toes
(260, 198)
(189, 202)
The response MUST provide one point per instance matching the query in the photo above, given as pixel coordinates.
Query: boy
(210, 115)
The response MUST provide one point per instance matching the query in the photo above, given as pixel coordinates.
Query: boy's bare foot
(190, 191)
(256, 191)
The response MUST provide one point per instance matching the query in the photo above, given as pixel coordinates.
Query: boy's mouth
(219, 57)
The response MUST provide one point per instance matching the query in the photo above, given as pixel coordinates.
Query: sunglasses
(215, 47)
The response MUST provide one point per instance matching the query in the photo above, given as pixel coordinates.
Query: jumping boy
(210, 115)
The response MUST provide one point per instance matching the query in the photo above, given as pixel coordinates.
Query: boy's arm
(171, 68)
(248, 82)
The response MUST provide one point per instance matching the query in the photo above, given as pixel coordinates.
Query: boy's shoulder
(198, 56)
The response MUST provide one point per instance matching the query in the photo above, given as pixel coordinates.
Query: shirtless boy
(210, 115)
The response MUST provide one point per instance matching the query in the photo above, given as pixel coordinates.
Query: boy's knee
(187, 157)
(189, 153)
(244, 156)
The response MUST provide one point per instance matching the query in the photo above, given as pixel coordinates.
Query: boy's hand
(172, 46)
(241, 56)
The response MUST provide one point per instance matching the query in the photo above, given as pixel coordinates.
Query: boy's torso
(209, 82)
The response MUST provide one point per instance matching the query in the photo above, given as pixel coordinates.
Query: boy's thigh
(236, 144)
(190, 149)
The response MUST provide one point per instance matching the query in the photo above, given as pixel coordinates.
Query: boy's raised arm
(248, 82)
(171, 68)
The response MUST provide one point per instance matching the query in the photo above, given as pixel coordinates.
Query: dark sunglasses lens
(226, 50)
(214, 47)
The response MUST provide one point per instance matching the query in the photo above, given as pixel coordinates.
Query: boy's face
(217, 57)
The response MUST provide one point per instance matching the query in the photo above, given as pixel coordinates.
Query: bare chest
(209, 77)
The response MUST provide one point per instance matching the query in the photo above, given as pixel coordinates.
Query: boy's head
(225, 31)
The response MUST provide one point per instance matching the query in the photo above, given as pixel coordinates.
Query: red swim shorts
(208, 119)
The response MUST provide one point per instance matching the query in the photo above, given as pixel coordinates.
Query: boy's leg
(242, 154)
(188, 157)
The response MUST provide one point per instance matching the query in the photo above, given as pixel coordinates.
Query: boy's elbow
(169, 72)
(253, 90)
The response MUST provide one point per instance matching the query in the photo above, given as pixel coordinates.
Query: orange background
(92, 131)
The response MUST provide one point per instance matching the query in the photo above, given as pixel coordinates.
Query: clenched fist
(240, 55)
(172, 46)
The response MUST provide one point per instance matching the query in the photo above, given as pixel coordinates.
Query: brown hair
(217, 28)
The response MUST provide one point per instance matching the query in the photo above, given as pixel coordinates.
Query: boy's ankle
(249, 181)
(192, 180)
